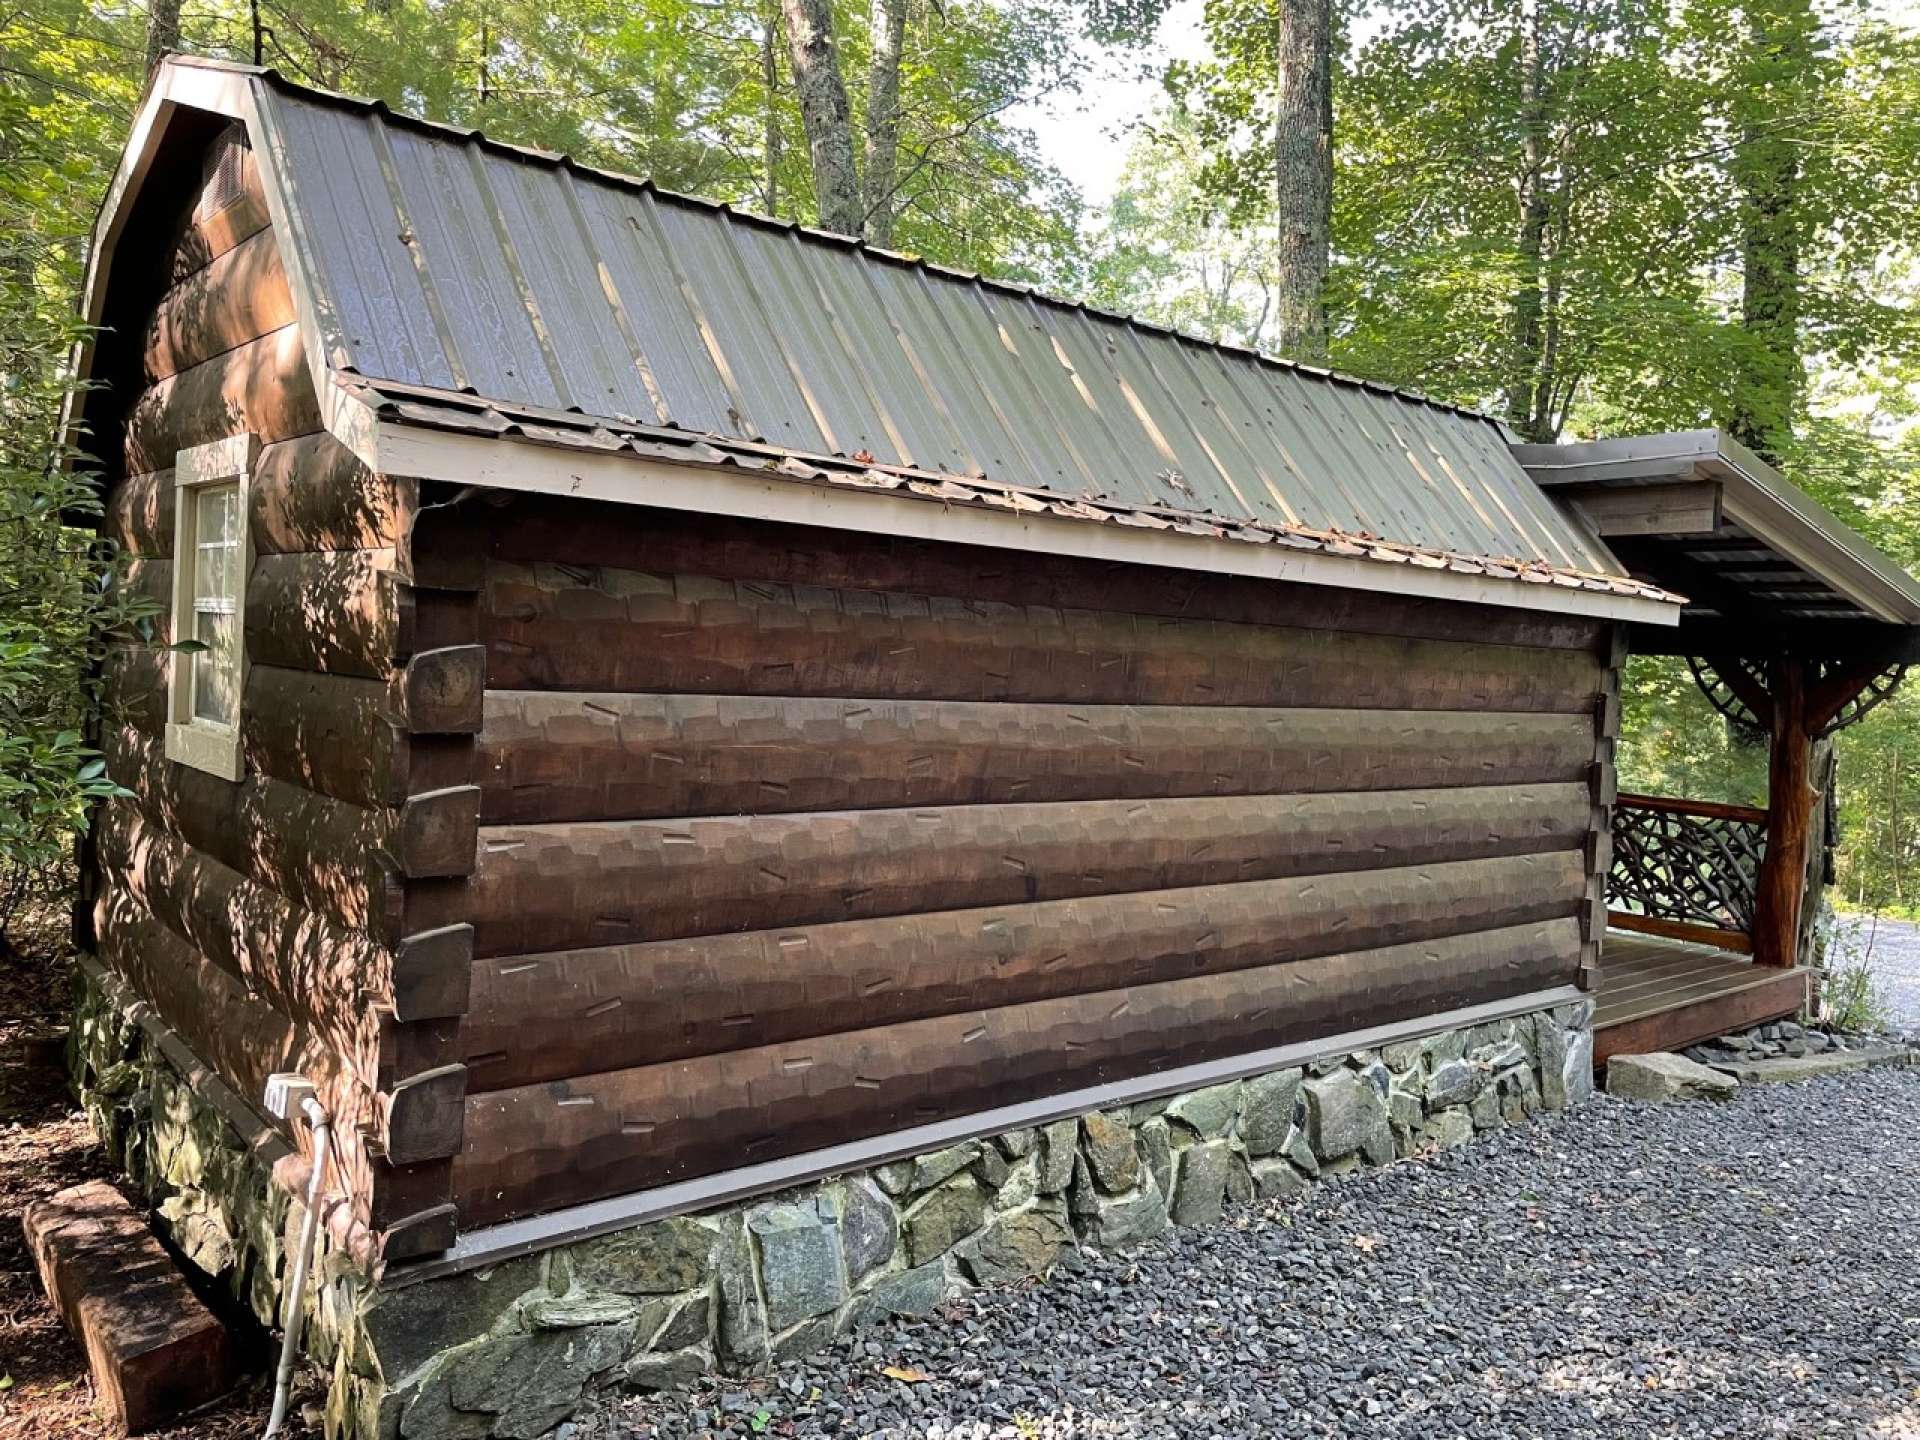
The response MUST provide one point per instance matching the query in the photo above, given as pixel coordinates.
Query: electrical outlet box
(286, 1093)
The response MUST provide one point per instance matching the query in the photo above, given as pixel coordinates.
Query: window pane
(216, 669)
(216, 524)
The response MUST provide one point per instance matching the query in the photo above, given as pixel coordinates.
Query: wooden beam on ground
(153, 1349)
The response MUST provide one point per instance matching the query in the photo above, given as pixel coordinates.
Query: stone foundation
(507, 1351)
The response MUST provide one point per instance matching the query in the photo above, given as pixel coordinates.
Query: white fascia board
(502, 463)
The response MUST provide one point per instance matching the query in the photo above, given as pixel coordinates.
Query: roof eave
(1754, 495)
(764, 492)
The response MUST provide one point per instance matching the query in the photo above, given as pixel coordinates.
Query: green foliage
(1851, 995)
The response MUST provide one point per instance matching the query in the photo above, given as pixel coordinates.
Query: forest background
(1590, 217)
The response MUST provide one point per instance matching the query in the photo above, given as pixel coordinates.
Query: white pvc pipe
(318, 1122)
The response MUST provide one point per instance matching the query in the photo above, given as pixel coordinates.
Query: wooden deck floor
(1655, 994)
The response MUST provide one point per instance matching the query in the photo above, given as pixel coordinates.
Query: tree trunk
(1529, 384)
(770, 77)
(1303, 168)
(824, 113)
(163, 30)
(883, 117)
(1782, 83)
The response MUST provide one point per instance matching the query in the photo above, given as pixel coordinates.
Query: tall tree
(889, 36)
(1779, 105)
(1529, 390)
(1303, 174)
(163, 29)
(825, 115)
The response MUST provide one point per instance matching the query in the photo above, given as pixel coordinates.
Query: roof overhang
(688, 473)
(1765, 567)
(456, 438)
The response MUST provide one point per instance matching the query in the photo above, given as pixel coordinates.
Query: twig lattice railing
(1686, 868)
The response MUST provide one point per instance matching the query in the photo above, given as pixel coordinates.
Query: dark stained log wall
(264, 920)
(789, 837)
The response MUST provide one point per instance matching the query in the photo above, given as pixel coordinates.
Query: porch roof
(1765, 567)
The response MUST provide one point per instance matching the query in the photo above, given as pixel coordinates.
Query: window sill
(212, 748)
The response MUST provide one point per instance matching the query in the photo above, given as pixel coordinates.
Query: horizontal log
(312, 493)
(551, 627)
(351, 738)
(338, 860)
(624, 537)
(339, 612)
(308, 493)
(539, 1147)
(208, 231)
(552, 756)
(546, 1017)
(337, 735)
(551, 887)
(324, 977)
(262, 387)
(150, 581)
(240, 1037)
(138, 515)
(239, 296)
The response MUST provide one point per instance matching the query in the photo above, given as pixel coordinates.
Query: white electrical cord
(319, 1124)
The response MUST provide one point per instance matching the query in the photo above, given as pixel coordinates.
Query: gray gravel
(1744, 1269)
(1896, 965)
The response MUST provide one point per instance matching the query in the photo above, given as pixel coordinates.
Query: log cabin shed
(687, 705)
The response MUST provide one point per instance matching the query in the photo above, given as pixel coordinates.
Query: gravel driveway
(1736, 1270)
(1896, 965)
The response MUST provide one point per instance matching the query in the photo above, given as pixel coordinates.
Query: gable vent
(223, 180)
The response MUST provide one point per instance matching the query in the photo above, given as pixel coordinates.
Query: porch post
(1790, 805)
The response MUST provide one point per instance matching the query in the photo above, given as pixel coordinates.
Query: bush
(59, 603)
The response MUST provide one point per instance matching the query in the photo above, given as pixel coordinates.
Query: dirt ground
(46, 1145)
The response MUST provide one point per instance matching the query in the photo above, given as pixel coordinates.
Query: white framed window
(212, 557)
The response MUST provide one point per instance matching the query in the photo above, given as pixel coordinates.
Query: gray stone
(662, 1258)
(1501, 1055)
(802, 1273)
(1485, 1110)
(905, 1292)
(409, 1326)
(1126, 1220)
(1277, 1179)
(1788, 1068)
(1575, 1015)
(578, 1308)
(1378, 1076)
(942, 1218)
(1454, 1082)
(665, 1372)
(896, 1177)
(687, 1325)
(1016, 1246)
(1666, 1077)
(741, 1331)
(1403, 1056)
(1326, 1064)
(1058, 1144)
(1107, 1139)
(1576, 1075)
(1448, 1045)
(1207, 1113)
(803, 1339)
(1300, 1152)
(533, 1381)
(1199, 1196)
(1156, 1149)
(1267, 1108)
(1405, 1110)
(1240, 1187)
(1550, 1047)
(990, 1167)
(1016, 1143)
(1344, 1115)
(929, 1170)
(869, 1230)
(1448, 1129)
(1021, 1185)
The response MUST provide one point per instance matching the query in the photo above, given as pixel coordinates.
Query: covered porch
(1795, 628)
